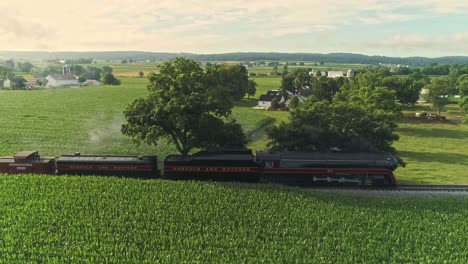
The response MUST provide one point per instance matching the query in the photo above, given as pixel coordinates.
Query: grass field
(88, 120)
(46, 219)
(435, 153)
(65, 120)
(130, 69)
(266, 83)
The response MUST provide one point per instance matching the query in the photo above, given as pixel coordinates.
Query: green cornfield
(51, 219)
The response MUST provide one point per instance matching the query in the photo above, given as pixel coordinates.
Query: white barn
(335, 74)
(57, 80)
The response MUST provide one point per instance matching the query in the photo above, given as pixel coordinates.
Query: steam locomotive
(292, 168)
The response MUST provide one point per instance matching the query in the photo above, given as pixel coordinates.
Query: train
(284, 167)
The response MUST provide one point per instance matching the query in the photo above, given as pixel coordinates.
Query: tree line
(191, 105)
(10, 68)
(237, 56)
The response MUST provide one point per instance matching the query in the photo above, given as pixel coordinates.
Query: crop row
(74, 219)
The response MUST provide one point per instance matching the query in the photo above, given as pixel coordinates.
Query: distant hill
(237, 56)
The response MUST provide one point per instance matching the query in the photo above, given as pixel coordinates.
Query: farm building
(335, 74)
(350, 73)
(264, 102)
(315, 73)
(32, 83)
(57, 80)
(91, 83)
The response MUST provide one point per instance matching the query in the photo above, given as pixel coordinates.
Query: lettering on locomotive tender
(212, 169)
(85, 167)
(20, 165)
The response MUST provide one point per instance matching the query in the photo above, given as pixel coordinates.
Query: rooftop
(63, 77)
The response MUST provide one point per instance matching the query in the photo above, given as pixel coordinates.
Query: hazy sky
(393, 28)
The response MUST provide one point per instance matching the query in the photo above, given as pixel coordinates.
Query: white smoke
(101, 133)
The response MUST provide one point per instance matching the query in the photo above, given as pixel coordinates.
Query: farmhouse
(57, 80)
(264, 102)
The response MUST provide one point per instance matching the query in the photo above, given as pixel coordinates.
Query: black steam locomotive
(294, 168)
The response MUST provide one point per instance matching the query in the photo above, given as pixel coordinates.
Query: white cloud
(440, 45)
(194, 26)
(446, 6)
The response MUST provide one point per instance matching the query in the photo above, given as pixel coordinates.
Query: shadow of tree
(418, 108)
(251, 102)
(444, 157)
(409, 204)
(433, 132)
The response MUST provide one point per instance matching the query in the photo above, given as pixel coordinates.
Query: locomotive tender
(292, 168)
(237, 165)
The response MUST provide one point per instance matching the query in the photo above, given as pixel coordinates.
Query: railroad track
(442, 188)
(401, 190)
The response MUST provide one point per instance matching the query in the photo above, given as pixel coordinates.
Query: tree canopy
(6, 73)
(25, 66)
(251, 88)
(361, 116)
(234, 78)
(186, 105)
(438, 93)
(110, 79)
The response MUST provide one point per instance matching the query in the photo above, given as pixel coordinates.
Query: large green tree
(233, 77)
(463, 85)
(321, 126)
(93, 73)
(25, 66)
(360, 117)
(406, 89)
(186, 105)
(107, 69)
(6, 73)
(438, 93)
(252, 88)
(463, 92)
(77, 69)
(323, 88)
(110, 79)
